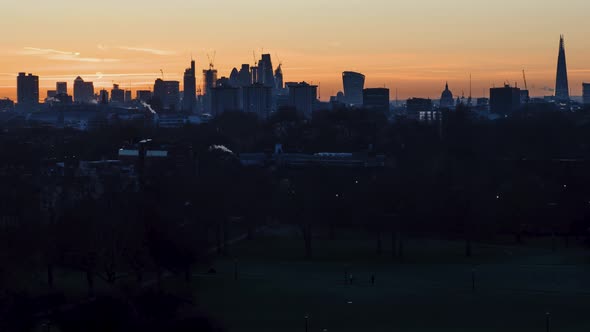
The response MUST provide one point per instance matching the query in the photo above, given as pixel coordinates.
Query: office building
(265, 71)
(189, 97)
(417, 105)
(224, 98)
(209, 80)
(234, 77)
(103, 96)
(586, 93)
(117, 94)
(422, 109)
(27, 90)
(354, 84)
(302, 97)
(83, 91)
(61, 88)
(257, 98)
(51, 94)
(504, 100)
(562, 91)
(376, 99)
(279, 81)
(128, 97)
(143, 95)
(168, 94)
(244, 76)
(254, 75)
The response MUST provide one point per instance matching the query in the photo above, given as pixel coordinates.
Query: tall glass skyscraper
(354, 83)
(562, 91)
(189, 98)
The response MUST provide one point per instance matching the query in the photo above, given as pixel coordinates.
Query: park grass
(430, 290)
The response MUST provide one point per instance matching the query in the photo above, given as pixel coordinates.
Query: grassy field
(431, 290)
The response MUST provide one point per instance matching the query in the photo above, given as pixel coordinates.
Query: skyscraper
(224, 98)
(117, 94)
(257, 98)
(354, 83)
(83, 91)
(244, 75)
(376, 99)
(504, 100)
(279, 83)
(189, 99)
(27, 90)
(61, 88)
(168, 93)
(562, 92)
(586, 93)
(103, 96)
(302, 97)
(143, 95)
(265, 71)
(234, 77)
(209, 82)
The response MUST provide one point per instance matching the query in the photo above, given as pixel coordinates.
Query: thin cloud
(45, 51)
(147, 50)
(52, 54)
(64, 57)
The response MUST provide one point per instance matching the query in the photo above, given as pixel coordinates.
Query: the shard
(561, 84)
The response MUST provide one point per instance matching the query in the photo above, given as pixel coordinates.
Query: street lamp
(306, 323)
(548, 321)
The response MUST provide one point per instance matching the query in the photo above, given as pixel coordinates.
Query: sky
(412, 47)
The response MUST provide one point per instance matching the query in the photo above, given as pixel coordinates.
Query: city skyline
(415, 53)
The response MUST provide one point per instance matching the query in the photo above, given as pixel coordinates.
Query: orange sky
(412, 46)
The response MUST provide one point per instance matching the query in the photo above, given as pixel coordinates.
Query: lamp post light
(306, 323)
(548, 322)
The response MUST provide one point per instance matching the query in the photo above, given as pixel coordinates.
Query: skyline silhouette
(413, 47)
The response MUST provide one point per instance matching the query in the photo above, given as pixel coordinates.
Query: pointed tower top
(561, 41)
(561, 84)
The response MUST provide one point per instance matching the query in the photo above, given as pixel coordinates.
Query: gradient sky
(413, 46)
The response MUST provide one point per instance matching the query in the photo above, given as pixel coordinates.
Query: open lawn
(431, 290)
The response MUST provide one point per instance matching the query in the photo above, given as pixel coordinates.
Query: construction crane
(524, 78)
(211, 60)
